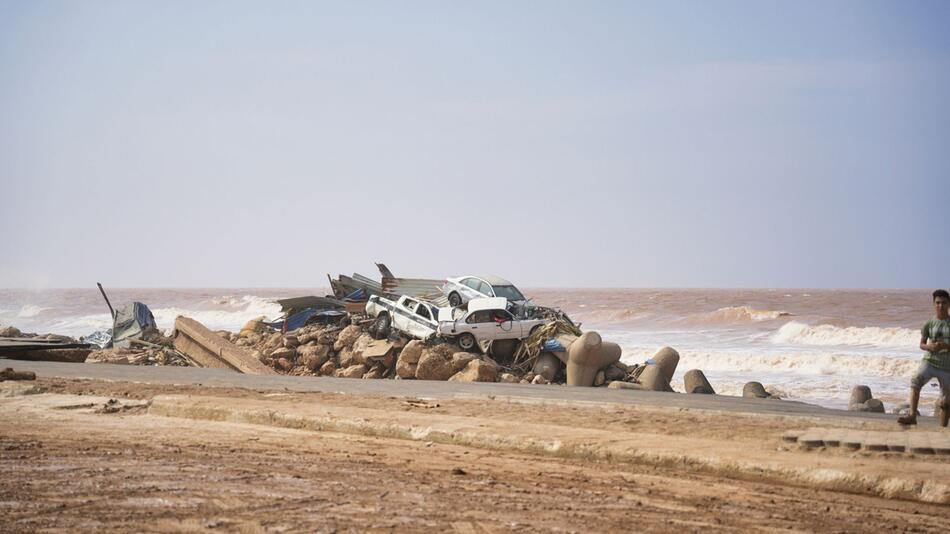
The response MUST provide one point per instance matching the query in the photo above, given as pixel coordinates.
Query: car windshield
(508, 292)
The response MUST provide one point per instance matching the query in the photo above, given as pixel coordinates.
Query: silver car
(465, 288)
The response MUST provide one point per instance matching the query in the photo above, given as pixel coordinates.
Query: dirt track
(134, 472)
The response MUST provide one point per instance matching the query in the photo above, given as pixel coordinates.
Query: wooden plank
(237, 357)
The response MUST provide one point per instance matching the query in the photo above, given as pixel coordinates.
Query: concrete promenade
(546, 394)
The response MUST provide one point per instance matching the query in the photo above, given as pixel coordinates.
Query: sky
(557, 144)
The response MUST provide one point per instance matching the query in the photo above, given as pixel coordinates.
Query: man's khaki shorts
(925, 373)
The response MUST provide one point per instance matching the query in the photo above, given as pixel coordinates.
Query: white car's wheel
(455, 300)
(467, 342)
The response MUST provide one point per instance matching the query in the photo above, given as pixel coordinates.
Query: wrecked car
(410, 316)
(461, 290)
(486, 320)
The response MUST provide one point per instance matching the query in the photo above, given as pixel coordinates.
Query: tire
(455, 300)
(382, 326)
(467, 342)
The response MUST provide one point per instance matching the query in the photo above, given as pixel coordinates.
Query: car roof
(494, 280)
(493, 303)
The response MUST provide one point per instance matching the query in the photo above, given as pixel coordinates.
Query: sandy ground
(130, 471)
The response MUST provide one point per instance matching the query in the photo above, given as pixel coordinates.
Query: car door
(471, 289)
(504, 325)
(402, 313)
(424, 324)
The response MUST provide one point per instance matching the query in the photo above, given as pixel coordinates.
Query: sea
(806, 345)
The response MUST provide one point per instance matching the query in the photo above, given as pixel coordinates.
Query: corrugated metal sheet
(421, 288)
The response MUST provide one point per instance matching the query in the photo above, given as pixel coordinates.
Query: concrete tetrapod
(695, 382)
(860, 395)
(755, 390)
(547, 366)
(658, 373)
(586, 356)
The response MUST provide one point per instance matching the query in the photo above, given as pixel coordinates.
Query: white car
(410, 316)
(461, 290)
(485, 321)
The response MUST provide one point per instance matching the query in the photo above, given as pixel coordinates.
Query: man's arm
(929, 347)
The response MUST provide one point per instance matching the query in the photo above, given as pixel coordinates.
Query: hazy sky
(222, 144)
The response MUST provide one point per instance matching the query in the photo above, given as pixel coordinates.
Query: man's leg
(944, 402)
(911, 418)
(917, 382)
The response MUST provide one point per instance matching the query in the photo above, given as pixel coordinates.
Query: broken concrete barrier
(695, 382)
(666, 359)
(208, 349)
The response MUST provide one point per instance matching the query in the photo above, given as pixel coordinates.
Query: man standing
(935, 342)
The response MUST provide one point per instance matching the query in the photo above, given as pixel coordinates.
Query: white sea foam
(231, 312)
(814, 363)
(739, 314)
(794, 332)
(30, 310)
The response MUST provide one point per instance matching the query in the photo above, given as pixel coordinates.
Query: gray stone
(600, 378)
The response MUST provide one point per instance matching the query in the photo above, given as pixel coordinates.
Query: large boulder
(359, 346)
(313, 356)
(476, 371)
(282, 352)
(353, 371)
(347, 337)
(435, 364)
(408, 358)
(461, 359)
(328, 369)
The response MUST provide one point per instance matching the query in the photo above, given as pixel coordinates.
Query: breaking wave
(30, 310)
(224, 313)
(742, 314)
(794, 332)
